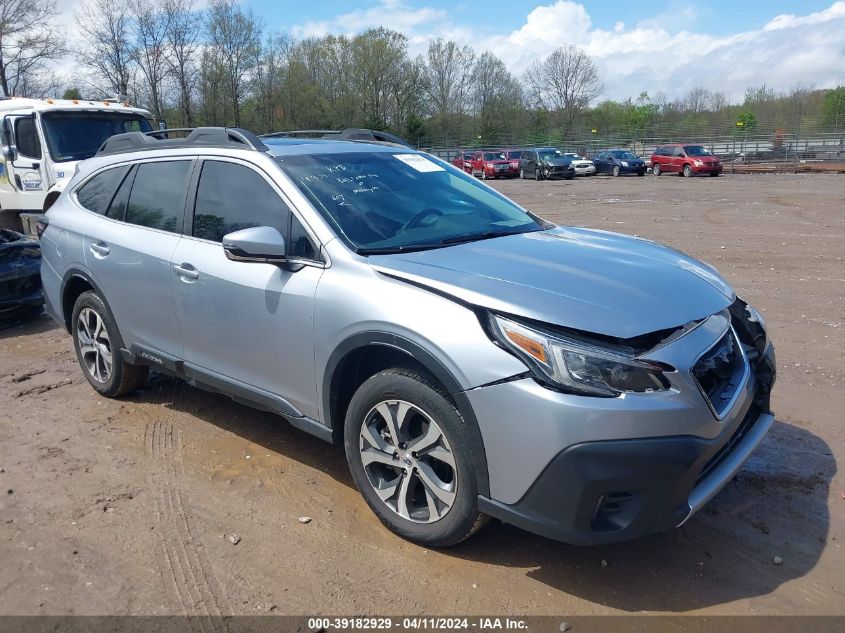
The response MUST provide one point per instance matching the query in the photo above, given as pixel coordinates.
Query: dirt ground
(126, 507)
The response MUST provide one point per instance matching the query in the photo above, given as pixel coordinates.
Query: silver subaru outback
(475, 360)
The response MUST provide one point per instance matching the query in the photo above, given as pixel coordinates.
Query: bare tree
(27, 41)
(697, 100)
(497, 95)
(234, 40)
(107, 42)
(183, 36)
(448, 81)
(149, 28)
(567, 81)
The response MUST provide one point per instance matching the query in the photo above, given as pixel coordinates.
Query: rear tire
(656, 170)
(97, 343)
(431, 496)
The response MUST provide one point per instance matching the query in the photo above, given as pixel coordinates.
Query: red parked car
(512, 155)
(684, 159)
(491, 164)
(463, 160)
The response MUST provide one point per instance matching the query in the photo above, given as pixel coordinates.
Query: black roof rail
(194, 137)
(361, 135)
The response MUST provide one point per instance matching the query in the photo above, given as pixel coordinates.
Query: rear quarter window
(96, 194)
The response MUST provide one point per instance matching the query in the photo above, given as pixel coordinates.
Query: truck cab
(43, 140)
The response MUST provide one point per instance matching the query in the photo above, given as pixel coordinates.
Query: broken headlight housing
(576, 366)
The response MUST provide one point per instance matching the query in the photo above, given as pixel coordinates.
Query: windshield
(696, 150)
(624, 155)
(381, 202)
(78, 135)
(493, 156)
(549, 153)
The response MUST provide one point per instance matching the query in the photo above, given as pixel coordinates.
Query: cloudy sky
(668, 47)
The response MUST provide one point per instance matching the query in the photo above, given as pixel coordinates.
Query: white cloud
(662, 53)
(392, 14)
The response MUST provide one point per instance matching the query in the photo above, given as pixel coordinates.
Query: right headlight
(575, 366)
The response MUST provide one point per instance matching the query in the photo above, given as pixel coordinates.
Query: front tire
(410, 456)
(521, 173)
(655, 169)
(687, 171)
(616, 171)
(538, 174)
(97, 343)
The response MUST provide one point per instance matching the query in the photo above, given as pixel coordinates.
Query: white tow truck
(42, 142)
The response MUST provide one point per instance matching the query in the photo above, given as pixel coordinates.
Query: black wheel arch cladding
(418, 355)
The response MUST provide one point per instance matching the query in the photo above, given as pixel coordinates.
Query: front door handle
(99, 249)
(186, 271)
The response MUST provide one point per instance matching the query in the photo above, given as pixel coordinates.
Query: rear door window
(157, 199)
(96, 194)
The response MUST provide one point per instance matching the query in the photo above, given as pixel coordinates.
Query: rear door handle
(186, 271)
(98, 248)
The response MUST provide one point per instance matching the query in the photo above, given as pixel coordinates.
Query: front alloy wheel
(687, 171)
(412, 456)
(408, 461)
(616, 170)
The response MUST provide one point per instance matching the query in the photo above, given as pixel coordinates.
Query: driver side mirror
(10, 153)
(258, 244)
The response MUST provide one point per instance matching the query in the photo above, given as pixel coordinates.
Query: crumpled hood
(593, 281)
(555, 162)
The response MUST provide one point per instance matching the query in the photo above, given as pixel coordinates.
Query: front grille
(719, 372)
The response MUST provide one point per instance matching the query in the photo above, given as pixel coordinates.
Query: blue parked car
(20, 275)
(618, 162)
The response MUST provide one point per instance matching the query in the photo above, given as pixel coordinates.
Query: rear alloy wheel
(409, 454)
(616, 171)
(656, 170)
(687, 171)
(97, 343)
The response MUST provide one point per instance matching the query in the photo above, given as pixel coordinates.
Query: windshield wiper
(404, 248)
(446, 241)
(475, 237)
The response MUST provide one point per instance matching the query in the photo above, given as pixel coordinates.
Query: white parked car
(582, 166)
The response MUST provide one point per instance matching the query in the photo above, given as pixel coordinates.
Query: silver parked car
(474, 359)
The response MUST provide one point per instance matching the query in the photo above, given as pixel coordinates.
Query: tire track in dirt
(183, 564)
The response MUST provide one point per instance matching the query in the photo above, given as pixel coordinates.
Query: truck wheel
(409, 453)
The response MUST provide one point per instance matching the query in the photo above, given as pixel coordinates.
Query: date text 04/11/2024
(417, 624)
